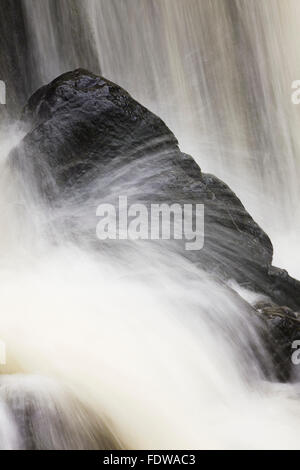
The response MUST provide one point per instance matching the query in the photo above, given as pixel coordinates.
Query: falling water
(159, 352)
(218, 73)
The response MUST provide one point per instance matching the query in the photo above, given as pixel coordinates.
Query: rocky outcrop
(282, 329)
(23, 70)
(88, 139)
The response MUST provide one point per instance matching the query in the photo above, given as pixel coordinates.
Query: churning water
(156, 351)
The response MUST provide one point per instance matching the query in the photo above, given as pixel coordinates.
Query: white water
(158, 351)
(161, 353)
(219, 74)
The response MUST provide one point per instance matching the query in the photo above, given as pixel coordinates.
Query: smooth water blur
(219, 73)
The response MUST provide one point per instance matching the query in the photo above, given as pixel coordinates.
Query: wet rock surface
(88, 141)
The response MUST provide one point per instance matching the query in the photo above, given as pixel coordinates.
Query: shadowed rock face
(89, 141)
(282, 329)
(22, 64)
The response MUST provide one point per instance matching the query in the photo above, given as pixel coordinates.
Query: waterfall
(111, 332)
(218, 73)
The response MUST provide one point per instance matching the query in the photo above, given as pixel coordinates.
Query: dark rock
(274, 310)
(89, 141)
(284, 287)
(282, 329)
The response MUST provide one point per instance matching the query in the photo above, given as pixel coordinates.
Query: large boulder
(89, 141)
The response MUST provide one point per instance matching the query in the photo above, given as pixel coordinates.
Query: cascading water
(118, 339)
(158, 351)
(218, 73)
